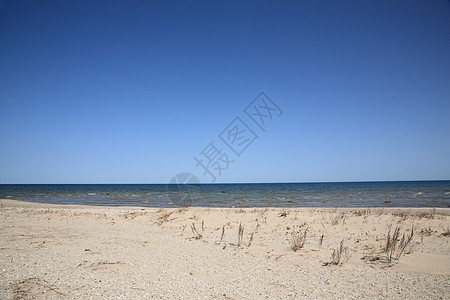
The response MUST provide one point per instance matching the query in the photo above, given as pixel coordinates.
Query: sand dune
(55, 251)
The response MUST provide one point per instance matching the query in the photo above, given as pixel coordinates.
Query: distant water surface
(348, 194)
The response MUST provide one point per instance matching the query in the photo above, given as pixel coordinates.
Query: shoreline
(30, 204)
(78, 251)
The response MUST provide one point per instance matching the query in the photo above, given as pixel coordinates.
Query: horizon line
(213, 183)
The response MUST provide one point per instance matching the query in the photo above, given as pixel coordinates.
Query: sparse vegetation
(182, 230)
(427, 215)
(298, 239)
(240, 235)
(182, 210)
(24, 289)
(321, 241)
(223, 234)
(250, 240)
(284, 213)
(426, 231)
(446, 233)
(433, 214)
(340, 255)
(338, 218)
(197, 235)
(263, 214)
(361, 212)
(379, 212)
(395, 246)
(164, 217)
(132, 214)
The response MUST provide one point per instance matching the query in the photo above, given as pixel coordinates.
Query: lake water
(348, 194)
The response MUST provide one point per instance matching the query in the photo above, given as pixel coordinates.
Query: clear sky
(132, 91)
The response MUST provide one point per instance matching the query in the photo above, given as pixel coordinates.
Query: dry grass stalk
(240, 235)
(24, 289)
(340, 255)
(361, 212)
(250, 240)
(164, 217)
(284, 213)
(181, 210)
(395, 246)
(132, 215)
(426, 231)
(321, 241)
(197, 235)
(297, 239)
(223, 234)
(337, 218)
(263, 214)
(446, 233)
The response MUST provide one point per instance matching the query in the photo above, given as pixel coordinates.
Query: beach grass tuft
(395, 246)
(340, 255)
(298, 239)
(197, 235)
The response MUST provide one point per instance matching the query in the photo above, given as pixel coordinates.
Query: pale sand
(54, 251)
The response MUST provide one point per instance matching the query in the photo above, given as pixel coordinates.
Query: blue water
(349, 194)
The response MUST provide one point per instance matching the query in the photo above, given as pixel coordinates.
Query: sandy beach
(60, 252)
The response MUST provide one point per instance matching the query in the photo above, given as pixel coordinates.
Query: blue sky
(132, 91)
